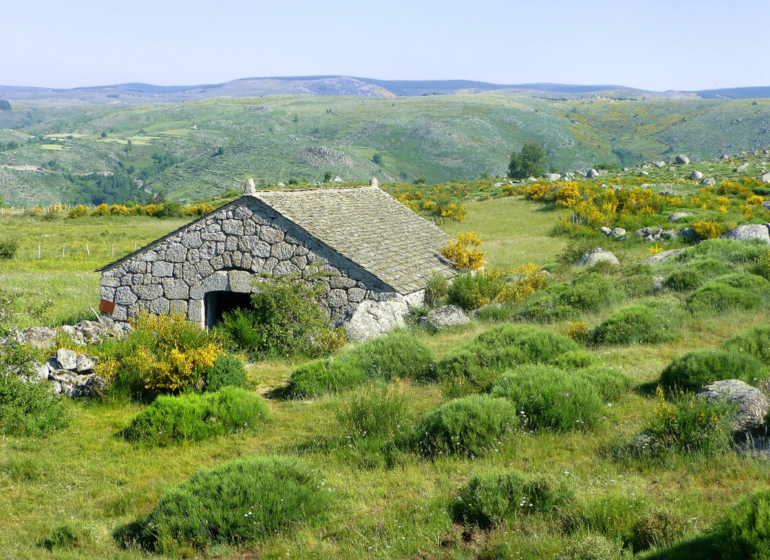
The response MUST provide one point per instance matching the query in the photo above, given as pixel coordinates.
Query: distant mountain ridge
(134, 93)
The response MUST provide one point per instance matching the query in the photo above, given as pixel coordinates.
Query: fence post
(113, 249)
(39, 252)
(62, 250)
(88, 250)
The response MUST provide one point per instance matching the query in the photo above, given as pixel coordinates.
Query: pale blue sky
(649, 44)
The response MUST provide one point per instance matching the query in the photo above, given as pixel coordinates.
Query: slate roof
(364, 224)
(370, 228)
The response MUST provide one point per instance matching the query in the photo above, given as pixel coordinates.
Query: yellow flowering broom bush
(162, 354)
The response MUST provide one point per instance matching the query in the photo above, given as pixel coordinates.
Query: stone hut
(373, 249)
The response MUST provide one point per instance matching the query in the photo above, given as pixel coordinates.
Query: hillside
(91, 154)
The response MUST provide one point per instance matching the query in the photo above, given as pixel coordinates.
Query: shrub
(373, 411)
(715, 297)
(637, 324)
(242, 501)
(436, 290)
(197, 417)
(227, 371)
(612, 515)
(550, 398)
(708, 229)
(754, 342)
(589, 292)
(635, 286)
(690, 424)
(726, 251)
(284, 319)
(609, 382)
(464, 252)
(161, 354)
(29, 409)
(471, 291)
(710, 268)
(745, 531)
(8, 248)
(697, 369)
(399, 354)
(575, 359)
(469, 426)
(594, 547)
(658, 528)
(684, 280)
(495, 496)
(503, 347)
(326, 376)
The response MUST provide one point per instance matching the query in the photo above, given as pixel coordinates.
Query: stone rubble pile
(85, 332)
(70, 373)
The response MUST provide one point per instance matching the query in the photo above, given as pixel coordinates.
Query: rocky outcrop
(749, 231)
(682, 160)
(444, 317)
(676, 216)
(371, 319)
(752, 404)
(662, 256)
(83, 333)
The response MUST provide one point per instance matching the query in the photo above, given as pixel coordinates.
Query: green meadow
(88, 483)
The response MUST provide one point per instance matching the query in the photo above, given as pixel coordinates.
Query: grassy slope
(439, 137)
(89, 477)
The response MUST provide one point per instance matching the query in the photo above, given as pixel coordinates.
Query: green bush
(690, 424)
(197, 417)
(373, 411)
(594, 547)
(472, 290)
(610, 383)
(638, 324)
(745, 531)
(575, 359)
(684, 280)
(716, 297)
(8, 248)
(285, 318)
(636, 286)
(501, 348)
(710, 268)
(550, 398)
(697, 369)
(612, 515)
(242, 501)
(227, 371)
(658, 528)
(469, 426)
(754, 342)
(399, 354)
(746, 281)
(29, 409)
(589, 292)
(726, 251)
(493, 497)
(436, 290)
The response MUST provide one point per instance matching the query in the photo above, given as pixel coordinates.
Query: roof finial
(250, 188)
(373, 182)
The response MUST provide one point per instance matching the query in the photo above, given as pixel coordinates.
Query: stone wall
(224, 252)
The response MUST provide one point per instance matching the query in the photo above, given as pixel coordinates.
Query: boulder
(660, 164)
(497, 185)
(85, 363)
(676, 216)
(370, 319)
(38, 337)
(41, 373)
(618, 232)
(710, 182)
(752, 404)
(67, 359)
(671, 169)
(742, 168)
(592, 174)
(645, 173)
(696, 176)
(551, 176)
(605, 230)
(280, 184)
(597, 255)
(750, 231)
(337, 179)
(444, 317)
(765, 177)
(682, 160)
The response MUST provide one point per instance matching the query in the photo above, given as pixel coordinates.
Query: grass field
(89, 478)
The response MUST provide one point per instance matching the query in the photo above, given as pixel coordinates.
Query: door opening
(218, 303)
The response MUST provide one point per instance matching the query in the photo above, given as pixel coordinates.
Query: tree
(104, 134)
(327, 176)
(377, 159)
(529, 162)
(4, 105)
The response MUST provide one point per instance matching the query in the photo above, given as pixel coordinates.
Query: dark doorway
(218, 303)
